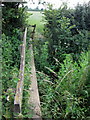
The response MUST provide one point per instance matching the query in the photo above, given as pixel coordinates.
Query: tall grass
(67, 97)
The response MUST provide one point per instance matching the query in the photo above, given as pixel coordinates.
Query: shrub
(58, 31)
(68, 96)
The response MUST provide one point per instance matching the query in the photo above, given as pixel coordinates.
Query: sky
(56, 3)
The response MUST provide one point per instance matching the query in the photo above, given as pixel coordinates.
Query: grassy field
(37, 18)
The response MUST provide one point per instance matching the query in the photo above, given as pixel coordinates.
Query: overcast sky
(57, 3)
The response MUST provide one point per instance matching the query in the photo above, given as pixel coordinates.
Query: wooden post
(19, 89)
(34, 100)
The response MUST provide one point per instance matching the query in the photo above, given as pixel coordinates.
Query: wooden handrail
(19, 89)
(34, 100)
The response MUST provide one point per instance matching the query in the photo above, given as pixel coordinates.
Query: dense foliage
(66, 98)
(62, 36)
(14, 20)
(82, 16)
(62, 62)
(62, 59)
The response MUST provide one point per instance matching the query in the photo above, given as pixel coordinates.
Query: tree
(82, 16)
(58, 31)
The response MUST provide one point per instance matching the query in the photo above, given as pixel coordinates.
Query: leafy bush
(14, 20)
(13, 17)
(58, 31)
(41, 56)
(68, 96)
(82, 16)
(10, 76)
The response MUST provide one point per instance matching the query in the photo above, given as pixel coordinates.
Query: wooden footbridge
(34, 94)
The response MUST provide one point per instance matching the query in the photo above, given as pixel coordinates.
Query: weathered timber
(34, 99)
(19, 89)
(34, 94)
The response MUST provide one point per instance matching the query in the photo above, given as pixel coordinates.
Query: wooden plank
(34, 99)
(19, 89)
(34, 94)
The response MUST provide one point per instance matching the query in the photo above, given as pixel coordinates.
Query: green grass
(37, 18)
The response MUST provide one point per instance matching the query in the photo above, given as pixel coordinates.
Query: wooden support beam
(34, 99)
(34, 94)
(19, 89)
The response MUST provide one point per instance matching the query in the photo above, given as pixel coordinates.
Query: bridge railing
(34, 94)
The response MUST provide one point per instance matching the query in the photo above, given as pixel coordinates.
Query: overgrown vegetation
(68, 96)
(62, 61)
(14, 20)
(62, 58)
(64, 37)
